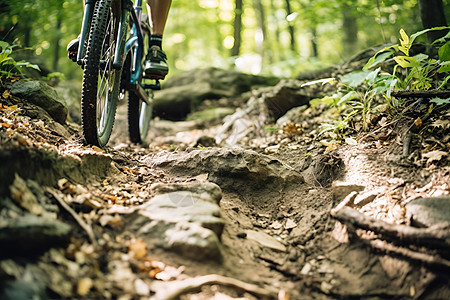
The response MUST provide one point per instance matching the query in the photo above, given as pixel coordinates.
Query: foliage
(9, 67)
(417, 72)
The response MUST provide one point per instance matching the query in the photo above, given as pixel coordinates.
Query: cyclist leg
(156, 59)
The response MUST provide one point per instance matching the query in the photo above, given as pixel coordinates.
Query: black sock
(155, 40)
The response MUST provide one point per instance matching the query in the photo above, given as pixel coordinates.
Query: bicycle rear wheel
(139, 116)
(101, 81)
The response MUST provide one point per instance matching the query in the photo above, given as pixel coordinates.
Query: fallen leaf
(138, 249)
(6, 94)
(276, 225)
(97, 149)
(202, 177)
(434, 155)
(84, 286)
(351, 141)
(290, 224)
(418, 122)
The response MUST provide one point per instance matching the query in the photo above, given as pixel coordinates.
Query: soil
(316, 256)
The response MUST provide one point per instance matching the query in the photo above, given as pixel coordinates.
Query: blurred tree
(237, 28)
(432, 15)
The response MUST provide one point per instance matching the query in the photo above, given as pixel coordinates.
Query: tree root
(418, 242)
(422, 94)
(78, 219)
(193, 285)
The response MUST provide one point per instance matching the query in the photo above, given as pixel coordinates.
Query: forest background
(269, 37)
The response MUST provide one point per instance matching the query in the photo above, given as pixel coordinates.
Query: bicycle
(112, 63)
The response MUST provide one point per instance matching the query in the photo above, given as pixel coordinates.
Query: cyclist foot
(155, 64)
(72, 49)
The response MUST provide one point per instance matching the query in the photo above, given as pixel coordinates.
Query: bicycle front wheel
(101, 81)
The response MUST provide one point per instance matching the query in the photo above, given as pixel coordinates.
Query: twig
(422, 94)
(437, 237)
(77, 218)
(195, 284)
(433, 261)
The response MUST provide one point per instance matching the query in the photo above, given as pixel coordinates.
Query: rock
(342, 189)
(231, 168)
(292, 116)
(184, 218)
(70, 91)
(46, 166)
(265, 240)
(29, 233)
(324, 169)
(41, 95)
(182, 93)
(427, 212)
(284, 96)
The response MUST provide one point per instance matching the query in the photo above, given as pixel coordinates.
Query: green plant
(420, 71)
(9, 67)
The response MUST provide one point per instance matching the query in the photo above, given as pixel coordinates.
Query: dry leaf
(276, 225)
(84, 286)
(418, 122)
(202, 177)
(441, 123)
(97, 149)
(290, 224)
(434, 155)
(6, 94)
(138, 249)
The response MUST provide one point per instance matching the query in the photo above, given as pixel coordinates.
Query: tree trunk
(314, 51)
(349, 30)
(432, 15)
(56, 41)
(261, 41)
(291, 27)
(237, 28)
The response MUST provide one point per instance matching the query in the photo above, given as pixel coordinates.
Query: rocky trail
(236, 196)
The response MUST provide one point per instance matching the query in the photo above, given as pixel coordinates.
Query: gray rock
(184, 218)
(230, 168)
(429, 211)
(284, 96)
(182, 93)
(41, 95)
(29, 233)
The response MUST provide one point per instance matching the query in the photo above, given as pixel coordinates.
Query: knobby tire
(139, 116)
(101, 82)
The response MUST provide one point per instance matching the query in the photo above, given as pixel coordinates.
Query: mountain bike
(111, 51)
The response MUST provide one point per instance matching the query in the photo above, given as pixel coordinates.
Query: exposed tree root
(422, 94)
(193, 285)
(80, 221)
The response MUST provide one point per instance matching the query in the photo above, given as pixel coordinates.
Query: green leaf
(406, 61)
(347, 97)
(322, 81)
(415, 35)
(405, 44)
(376, 59)
(356, 78)
(372, 76)
(440, 101)
(444, 68)
(444, 52)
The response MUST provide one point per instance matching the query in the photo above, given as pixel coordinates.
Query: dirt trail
(185, 217)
